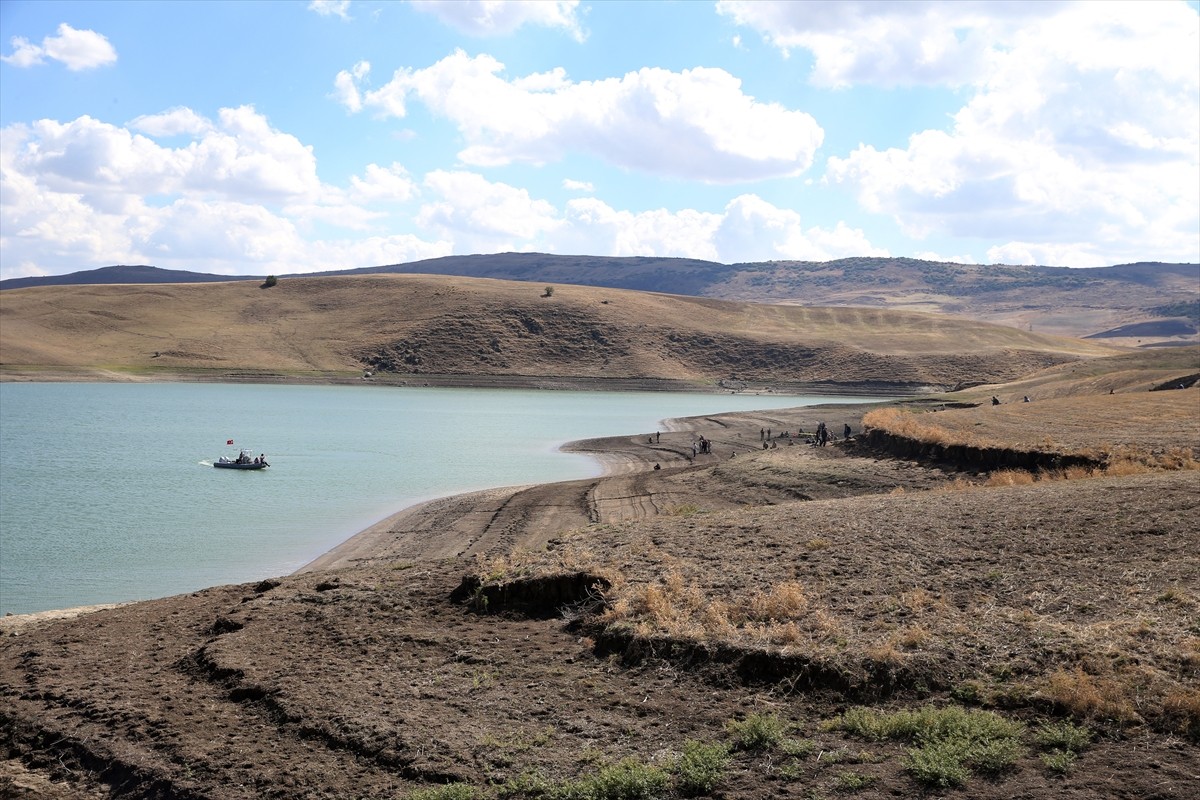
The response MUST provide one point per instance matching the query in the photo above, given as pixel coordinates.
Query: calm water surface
(107, 491)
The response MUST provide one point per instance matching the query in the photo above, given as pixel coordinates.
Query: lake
(107, 491)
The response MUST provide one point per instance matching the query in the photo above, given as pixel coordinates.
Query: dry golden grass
(1018, 582)
(1090, 696)
(461, 326)
(1127, 433)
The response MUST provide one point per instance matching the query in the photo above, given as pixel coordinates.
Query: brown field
(432, 328)
(784, 621)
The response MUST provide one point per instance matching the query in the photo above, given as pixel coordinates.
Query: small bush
(941, 765)
(953, 741)
(757, 732)
(854, 781)
(701, 767)
(269, 282)
(452, 791)
(797, 748)
(627, 780)
(1059, 762)
(1063, 736)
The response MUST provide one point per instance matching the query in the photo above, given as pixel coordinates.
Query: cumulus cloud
(502, 17)
(888, 43)
(331, 8)
(239, 197)
(387, 184)
(483, 216)
(345, 86)
(1079, 145)
(696, 124)
(77, 49)
(747, 229)
(175, 122)
(578, 186)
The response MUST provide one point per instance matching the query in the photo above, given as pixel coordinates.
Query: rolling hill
(1161, 299)
(434, 328)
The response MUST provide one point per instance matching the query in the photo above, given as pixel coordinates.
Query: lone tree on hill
(549, 292)
(269, 282)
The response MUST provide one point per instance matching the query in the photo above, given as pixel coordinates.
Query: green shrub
(952, 741)
(1060, 761)
(269, 282)
(757, 732)
(527, 784)
(451, 791)
(797, 748)
(629, 779)
(701, 767)
(938, 764)
(854, 781)
(1063, 736)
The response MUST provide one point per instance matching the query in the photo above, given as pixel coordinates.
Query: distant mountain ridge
(1109, 301)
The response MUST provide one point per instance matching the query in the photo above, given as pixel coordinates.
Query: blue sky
(277, 137)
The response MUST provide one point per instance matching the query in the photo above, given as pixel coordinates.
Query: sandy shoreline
(465, 524)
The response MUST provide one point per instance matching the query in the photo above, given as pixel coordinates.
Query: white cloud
(696, 124)
(578, 186)
(594, 227)
(239, 197)
(889, 43)
(331, 8)
(346, 87)
(929, 255)
(754, 230)
(747, 229)
(481, 216)
(25, 53)
(78, 49)
(383, 184)
(175, 122)
(502, 17)
(1081, 145)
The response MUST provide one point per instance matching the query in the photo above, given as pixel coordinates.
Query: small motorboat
(245, 460)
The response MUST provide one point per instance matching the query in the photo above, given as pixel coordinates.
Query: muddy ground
(522, 641)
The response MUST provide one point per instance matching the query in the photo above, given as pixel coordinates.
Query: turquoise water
(107, 491)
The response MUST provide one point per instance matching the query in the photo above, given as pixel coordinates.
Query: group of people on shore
(821, 437)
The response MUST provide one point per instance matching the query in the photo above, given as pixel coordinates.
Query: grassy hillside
(416, 325)
(1143, 304)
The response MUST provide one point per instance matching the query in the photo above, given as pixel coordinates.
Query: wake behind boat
(244, 460)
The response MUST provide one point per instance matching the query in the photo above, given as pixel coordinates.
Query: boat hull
(233, 465)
